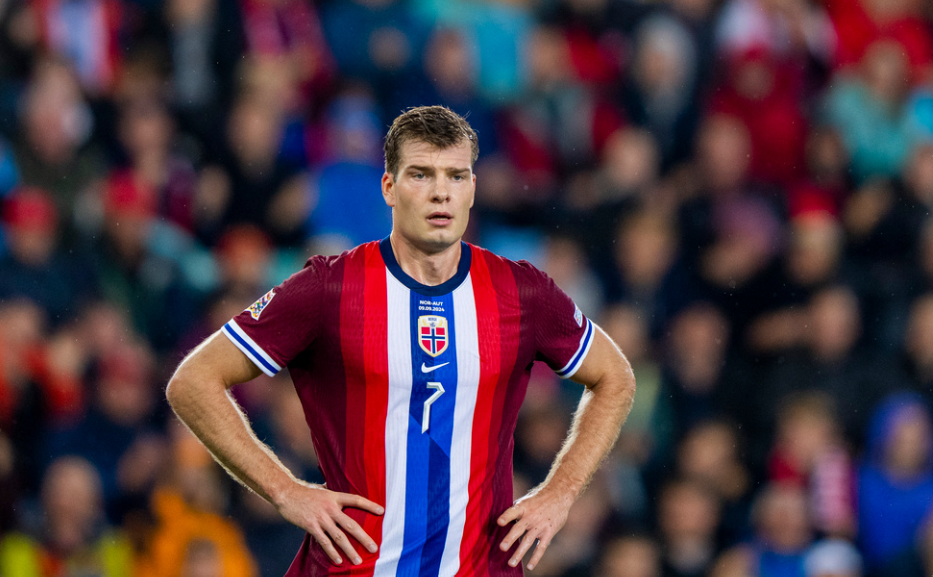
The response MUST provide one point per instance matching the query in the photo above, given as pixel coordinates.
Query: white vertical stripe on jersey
(397, 417)
(467, 387)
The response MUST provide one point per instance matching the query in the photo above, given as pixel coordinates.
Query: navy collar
(463, 269)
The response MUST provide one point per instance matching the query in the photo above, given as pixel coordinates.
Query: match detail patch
(257, 307)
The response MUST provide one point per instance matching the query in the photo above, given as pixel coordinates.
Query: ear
(388, 189)
(473, 198)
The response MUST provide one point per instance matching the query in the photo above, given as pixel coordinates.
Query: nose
(441, 190)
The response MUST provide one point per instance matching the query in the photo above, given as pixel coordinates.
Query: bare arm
(198, 393)
(606, 402)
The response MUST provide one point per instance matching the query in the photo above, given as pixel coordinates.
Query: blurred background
(739, 191)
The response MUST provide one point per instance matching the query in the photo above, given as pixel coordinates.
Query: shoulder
(321, 266)
(523, 272)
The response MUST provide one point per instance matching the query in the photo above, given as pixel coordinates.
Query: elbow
(172, 391)
(177, 390)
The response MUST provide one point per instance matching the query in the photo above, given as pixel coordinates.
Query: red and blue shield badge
(432, 334)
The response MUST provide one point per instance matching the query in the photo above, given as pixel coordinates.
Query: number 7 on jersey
(426, 416)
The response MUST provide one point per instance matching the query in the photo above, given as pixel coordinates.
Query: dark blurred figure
(603, 199)
(647, 438)
(538, 438)
(119, 434)
(348, 210)
(288, 34)
(205, 41)
(146, 284)
(826, 183)
(688, 519)
(695, 367)
(830, 362)
(40, 383)
(188, 517)
(812, 260)
(767, 96)
(782, 535)
(281, 422)
(917, 358)
(70, 536)
(376, 41)
(449, 76)
(647, 270)
(711, 453)
(729, 232)
(55, 152)
(895, 479)
(261, 188)
(661, 92)
(12, 481)
(810, 452)
(636, 555)
(563, 259)
(736, 271)
(573, 553)
(562, 124)
(34, 266)
(156, 174)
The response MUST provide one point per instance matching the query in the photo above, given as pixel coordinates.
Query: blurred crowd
(738, 191)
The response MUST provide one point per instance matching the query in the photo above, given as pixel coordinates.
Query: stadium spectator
(34, 266)
(711, 453)
(635, 555)
(71, 536)
(895, 484)
(809, 452)
(187, 511)
(55, 151)
(696, 367)
(869, 111)
(662, 91)
(688, 518)
(782, 534)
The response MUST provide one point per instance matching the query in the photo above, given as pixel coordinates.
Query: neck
(428, 268)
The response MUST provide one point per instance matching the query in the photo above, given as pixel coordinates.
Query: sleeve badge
(257, 307)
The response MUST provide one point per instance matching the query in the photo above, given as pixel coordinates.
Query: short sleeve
(563, 335)
(282, 323)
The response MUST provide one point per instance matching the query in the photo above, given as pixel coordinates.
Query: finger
(513, 513)
(357, 532)
(341, 540)
(325, 543)
(357, 502)
(523, 546)
(517, 530)
(543, 543)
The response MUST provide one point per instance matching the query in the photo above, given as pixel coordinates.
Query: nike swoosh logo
(427, 369)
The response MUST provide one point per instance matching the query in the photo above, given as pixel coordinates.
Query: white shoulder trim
(249, 347)
(577, 359)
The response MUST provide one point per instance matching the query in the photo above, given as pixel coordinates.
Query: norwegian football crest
(255, 309)
(432, 334)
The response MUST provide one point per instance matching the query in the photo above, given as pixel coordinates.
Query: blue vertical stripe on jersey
(427, 492)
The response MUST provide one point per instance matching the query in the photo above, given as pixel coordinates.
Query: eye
(458, 177)
(418, 175)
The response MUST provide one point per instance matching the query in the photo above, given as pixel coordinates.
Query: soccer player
(411, 357)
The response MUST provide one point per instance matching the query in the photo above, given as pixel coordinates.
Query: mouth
(440, 218)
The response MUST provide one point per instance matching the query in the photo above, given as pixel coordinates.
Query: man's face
(432, 194)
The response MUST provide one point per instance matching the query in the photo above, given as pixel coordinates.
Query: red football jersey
(412, 393)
